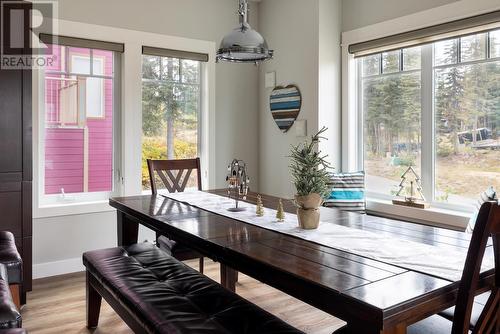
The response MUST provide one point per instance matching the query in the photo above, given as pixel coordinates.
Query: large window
(171, 105)
(446, 93)
(77, 127)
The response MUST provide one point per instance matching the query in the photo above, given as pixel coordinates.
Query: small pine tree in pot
(310, 172)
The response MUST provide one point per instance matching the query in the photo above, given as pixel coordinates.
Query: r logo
(21, 23)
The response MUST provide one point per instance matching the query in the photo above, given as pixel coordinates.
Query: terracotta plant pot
(308, 210)
(308, 218)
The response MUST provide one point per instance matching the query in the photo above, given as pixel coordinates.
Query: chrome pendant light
(243, 44)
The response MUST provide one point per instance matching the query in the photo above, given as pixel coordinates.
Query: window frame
(57, 202)
(428, 130)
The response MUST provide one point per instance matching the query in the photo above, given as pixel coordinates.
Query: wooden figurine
(260, 207)
(280, 214)
(412, 193)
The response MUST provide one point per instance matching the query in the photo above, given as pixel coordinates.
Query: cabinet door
(11, 121)
(10, 207)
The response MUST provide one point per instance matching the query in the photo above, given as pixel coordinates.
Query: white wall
(295, 29)
(58, 242)
(360, 13)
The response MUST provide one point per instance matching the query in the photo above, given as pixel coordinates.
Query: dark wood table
(372, 296)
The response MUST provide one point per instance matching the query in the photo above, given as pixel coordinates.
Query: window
(457, 83)
(78, 125)
(171, 108)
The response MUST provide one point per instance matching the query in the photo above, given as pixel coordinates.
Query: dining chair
(175, 175)
(488, 320)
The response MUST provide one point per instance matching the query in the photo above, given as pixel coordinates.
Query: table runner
(438, 261)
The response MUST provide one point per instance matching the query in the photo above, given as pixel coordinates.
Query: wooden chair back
(487, 224)
(174, 174)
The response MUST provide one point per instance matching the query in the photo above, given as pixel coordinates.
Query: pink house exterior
(78, 140)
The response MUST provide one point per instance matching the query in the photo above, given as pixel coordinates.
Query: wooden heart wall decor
(285, 106)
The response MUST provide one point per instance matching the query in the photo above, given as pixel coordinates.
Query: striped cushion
(347, 192)
(486, 196)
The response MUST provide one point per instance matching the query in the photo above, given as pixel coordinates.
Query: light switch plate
(270, 79)
(300, 127)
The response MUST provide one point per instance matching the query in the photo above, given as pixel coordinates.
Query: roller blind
(82, 43)
(462, 27)
(152, 51)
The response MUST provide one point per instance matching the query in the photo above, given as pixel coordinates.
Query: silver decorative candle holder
(238, 181)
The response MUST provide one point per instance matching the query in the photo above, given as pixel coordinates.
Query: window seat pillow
(347, 192)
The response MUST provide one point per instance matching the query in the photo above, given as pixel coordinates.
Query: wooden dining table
(372, 296)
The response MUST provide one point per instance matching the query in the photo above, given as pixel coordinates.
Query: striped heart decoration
(285, 106)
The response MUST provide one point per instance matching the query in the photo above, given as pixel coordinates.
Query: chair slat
(163, 176)
(489, 316)
(186, 179)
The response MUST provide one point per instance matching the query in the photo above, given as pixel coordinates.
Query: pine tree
(260, 207)
(280, 214)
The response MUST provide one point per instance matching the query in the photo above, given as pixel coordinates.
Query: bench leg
(23, 296)
(15, 291)
(202, 264)
(93, 304)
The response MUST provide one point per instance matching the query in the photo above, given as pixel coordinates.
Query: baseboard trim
(47, 269)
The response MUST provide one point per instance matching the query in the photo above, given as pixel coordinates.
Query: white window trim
(351, 122)
(131, 107)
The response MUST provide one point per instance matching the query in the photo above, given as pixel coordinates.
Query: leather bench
(9, 314)
(155, 293)
(9, 256)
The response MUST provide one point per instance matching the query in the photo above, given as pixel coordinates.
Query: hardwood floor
(57, 305)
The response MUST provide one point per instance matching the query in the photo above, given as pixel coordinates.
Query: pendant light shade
(244, 44)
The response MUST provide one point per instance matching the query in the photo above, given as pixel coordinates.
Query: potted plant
(310, 172)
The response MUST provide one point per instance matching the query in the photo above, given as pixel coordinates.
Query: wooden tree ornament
(412, 193)
(260, 207)
(280, 214)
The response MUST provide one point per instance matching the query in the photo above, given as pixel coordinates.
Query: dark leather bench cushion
(10, 257)
(170, 297)
(9, 315)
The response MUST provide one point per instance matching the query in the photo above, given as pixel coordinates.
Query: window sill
(68, 209)
(433, 216)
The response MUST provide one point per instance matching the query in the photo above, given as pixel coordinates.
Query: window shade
(82, 43)
(152, 51)
(462, 27)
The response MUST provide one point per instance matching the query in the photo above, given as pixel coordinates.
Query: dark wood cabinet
(16, 163)
(11, 120)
